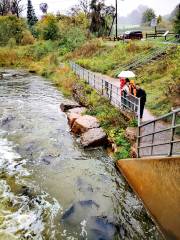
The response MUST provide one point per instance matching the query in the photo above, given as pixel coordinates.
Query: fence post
(102, 86)
(88, 77)
(94, 81)
(153, 133)
(138, 142)
(118, 96)
(83, 73)
(139, 110)
(172, 133)
(111, 93)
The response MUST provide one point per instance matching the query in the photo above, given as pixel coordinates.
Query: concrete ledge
(157, 182)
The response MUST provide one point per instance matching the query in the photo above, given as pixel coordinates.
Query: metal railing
(108, 90)
(160, 137)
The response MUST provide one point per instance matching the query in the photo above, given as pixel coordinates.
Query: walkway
(147, 115)
(158, 132)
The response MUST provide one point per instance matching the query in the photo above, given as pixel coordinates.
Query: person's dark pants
(142, 105)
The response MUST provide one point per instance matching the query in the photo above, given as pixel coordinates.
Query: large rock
(72, 117)
(74, 114)
(68, 105)
(93, 138)
(131, 134)
(78, 110)
(84, 123)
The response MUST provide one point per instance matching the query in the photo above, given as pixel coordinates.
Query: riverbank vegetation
(46, 46)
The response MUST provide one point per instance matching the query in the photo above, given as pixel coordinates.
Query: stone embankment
(85, 126)
(89, 130)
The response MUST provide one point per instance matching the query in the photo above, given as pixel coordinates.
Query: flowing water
(50, 187)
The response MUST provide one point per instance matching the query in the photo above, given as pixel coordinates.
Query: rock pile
(86, 126)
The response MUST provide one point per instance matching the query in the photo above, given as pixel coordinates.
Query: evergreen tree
(31, 16)
(177, 21)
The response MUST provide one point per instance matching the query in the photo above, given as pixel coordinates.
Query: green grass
(42, 59)
(160, 78)
(113, 56)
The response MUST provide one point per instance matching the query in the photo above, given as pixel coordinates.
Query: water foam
(26, 216)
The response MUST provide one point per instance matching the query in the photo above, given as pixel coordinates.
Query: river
(50, 187)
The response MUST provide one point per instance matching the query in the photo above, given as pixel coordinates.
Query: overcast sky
(161, 7)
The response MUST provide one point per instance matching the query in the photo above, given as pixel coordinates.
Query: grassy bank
(160, 78)
(42, 58)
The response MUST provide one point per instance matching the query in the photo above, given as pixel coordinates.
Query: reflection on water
(157, 181)
(51, 188)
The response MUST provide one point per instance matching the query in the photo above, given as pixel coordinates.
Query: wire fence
(109, 90)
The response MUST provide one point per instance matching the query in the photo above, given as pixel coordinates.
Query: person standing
(140, 93)
(122, 83)
(125, 93)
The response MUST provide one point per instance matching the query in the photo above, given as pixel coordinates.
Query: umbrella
(126, 74)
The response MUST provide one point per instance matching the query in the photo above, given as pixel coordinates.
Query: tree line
(99, 16)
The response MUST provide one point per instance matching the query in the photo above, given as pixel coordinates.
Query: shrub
(41, 49)
(72, 38)
(11, 27)
(27, 38)
(47, 28)
(88, 49)
(8, 57)
(132, 47)
(11, 43)
(53, 59)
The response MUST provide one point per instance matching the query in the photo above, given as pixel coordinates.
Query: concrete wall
(157, 183)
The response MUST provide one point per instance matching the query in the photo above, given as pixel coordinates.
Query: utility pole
(116, 20)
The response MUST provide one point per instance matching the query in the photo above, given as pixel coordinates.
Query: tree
(11, 27)
(174, 13)
(177, 21)
(16, 7)
(4, 7)
(148, 15)
(159, 19)
(101, 16)
(31, 16)
(82, 7)
(47, 28)
(43, 7)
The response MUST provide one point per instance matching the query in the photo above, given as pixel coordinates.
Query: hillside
(157, 73)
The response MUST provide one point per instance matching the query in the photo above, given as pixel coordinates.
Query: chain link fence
(109, 90)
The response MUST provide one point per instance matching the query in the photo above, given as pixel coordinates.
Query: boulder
(78, 110)
(93, 138)
(72, 117)
(131, 134)
(68, 105)
(84, 123)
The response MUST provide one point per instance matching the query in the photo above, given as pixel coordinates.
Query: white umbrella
(126, 74)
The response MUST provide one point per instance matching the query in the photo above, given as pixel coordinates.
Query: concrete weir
(157, 182)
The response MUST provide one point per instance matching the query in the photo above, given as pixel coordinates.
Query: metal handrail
(154, 132)
(109, 90)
